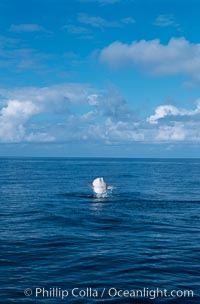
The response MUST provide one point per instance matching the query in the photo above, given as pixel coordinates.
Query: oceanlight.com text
(112, 292)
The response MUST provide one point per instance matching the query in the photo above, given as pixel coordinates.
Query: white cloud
(103, 2)
(165, 21)
(101, 23)
(74, 29)
(170, 111)
(179, 56)
(13, 117)
(18, 59)
(76, 112)
(112, 104)
(173, 124)
(93, 99)
(21, 105)
(128, 20)
(179, 132)
(6, 42)
(96, 21)
(39, 137)
(52, 95)
(29, 27)
(176, 132)
(163, 111)
(122, 131)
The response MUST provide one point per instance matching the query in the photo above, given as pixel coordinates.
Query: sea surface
(57, 235)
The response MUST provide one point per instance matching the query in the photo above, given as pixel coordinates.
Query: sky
(100, 78)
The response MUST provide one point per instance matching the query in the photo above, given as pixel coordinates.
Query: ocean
(62, 244)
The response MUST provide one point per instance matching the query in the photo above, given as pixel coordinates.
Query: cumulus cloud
(75, 112)
(179, 56)
(68, 112)
(13, 117)
(111, 104)
(164, 111)
(19, 106)
(73, 107)
(119, 131)
(176, 124)
(176, 132)
(172, 111)
(51, 97)
(179, 132)
(168, 123)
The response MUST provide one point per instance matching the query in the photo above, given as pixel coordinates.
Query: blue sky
(100, 78)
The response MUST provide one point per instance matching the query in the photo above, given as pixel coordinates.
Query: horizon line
(97, 157)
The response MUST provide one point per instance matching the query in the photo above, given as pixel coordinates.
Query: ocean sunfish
(99, 186)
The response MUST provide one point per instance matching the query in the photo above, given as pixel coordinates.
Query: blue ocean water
(56, 234)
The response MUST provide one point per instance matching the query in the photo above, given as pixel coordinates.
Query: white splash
(100, 187)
